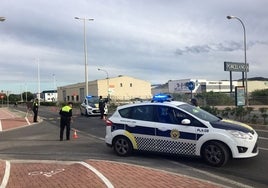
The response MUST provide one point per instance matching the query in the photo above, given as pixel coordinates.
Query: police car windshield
(92, 100)
(198, 112)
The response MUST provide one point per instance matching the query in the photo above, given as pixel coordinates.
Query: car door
(83, 107)
(140, 125)
(172, 134)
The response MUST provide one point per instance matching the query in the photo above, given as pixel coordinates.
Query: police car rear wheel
(215, 153)
(122, 146)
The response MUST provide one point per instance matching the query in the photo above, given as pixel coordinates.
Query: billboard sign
(240, 96)
(235, 67)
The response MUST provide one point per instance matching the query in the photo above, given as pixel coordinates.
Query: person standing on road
(194, 102)
(65, 120)
(35, 110)
(101, 106)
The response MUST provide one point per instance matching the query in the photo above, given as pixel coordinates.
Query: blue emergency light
(89, 96)
(161, 98)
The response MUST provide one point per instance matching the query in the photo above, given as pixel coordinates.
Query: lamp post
(245, 52)
(2, 19)
(107, 77)
(85, 50)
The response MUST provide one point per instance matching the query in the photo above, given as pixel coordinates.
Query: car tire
(122, 146)
(215, 153)
(86, 113)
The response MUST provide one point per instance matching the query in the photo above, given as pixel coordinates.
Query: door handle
(131, 125)
(162, 128)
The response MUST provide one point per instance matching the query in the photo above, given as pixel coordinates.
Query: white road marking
(232, 182)
(0, 126)
(261, 130)
(263, 148)
(26, 118)
(6, 175)
(224, 179)
(47, 174)
(100, 175)
(263, 138)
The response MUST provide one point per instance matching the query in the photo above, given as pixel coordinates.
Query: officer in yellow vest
(65, 120)
(35, 109)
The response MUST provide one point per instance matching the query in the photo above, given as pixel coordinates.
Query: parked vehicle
(175, 127)
(90, 106)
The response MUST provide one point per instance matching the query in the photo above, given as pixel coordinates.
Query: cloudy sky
(153, 40)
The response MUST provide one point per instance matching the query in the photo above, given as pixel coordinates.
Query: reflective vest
(66, 111)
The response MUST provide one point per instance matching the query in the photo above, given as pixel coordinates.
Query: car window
(180, 115)
(198, 112)
(171, 115)
(143, 112)
(165, 114)
(125, 113)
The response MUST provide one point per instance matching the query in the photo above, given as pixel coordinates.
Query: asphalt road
(41, 142)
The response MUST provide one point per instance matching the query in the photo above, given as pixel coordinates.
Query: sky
(42, 45)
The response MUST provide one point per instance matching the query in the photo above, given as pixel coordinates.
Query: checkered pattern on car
(165, 145)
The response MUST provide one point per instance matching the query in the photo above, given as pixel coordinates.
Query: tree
(213, 99)
(260, 96)
(29, 96)
(14, 98)
(264, 114)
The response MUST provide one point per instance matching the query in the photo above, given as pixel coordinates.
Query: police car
(90, 106)
(179, 128)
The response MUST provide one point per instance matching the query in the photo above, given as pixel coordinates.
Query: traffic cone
(75, 135)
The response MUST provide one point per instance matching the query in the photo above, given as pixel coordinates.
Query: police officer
(101, 106)
(194, 102)
(35, 109)
(65, 120)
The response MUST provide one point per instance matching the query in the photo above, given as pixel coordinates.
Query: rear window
(144, 112)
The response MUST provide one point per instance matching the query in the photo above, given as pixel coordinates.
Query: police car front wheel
(122, 146)
(215, 153)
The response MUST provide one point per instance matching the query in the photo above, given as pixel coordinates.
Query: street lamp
(245, 51)
(2, 19)
(85, 49)
(107, 77)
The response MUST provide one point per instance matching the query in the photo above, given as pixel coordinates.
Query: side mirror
(185, 122)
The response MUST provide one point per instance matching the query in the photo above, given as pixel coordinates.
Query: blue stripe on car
(154, 131)
(230, 126)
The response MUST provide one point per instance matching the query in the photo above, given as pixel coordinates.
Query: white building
(202, 85)
(49, 96)
(118, 88)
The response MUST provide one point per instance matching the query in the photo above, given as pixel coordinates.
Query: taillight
(109, 123)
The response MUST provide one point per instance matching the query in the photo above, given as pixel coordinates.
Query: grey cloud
(221, 47)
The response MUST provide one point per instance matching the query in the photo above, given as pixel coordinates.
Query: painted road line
(28, 122)
(1, 126)
(100, 175)
(263, 138)
(263, 148)
(6, 176)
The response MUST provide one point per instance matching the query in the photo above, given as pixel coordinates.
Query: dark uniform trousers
(65, 122)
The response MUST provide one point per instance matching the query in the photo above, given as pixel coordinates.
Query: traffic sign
(191, 85)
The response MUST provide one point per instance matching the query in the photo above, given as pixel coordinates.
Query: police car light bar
(90, 96)
(161, 98)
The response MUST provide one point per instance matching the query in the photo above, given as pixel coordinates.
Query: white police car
(90, 106)
(175, 127)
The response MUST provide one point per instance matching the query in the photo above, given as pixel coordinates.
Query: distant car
(136, 100)
(175, 127)
(90, 106)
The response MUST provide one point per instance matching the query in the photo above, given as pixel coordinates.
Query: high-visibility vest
(66, 111)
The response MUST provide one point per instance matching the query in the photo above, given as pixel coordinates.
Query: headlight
(242, 135)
